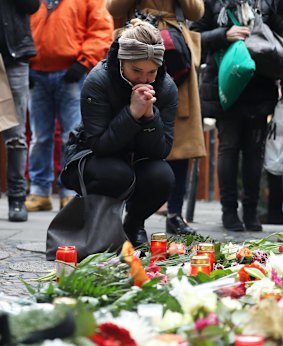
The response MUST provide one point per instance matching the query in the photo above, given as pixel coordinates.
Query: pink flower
(152, 267)
(176, 249)
(211, 319)
(276, 278)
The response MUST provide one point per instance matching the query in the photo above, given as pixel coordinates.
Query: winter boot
(251, 220)
(231, 220)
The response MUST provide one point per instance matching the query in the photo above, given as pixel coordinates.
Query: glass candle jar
(207, 249)
(66, 258)
(158, 246)
(248, 340)
(200, 264)
(271, 293)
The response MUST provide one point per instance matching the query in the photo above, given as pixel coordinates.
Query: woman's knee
(155, 174)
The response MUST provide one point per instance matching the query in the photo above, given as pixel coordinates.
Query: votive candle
(248, 340)
(66, 255)
(158, 246)
(200, 264)
(207, 249)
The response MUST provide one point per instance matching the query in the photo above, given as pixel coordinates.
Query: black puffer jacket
(15, 28)
(260, 96)
(110, 129)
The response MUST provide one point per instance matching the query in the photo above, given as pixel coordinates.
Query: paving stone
(33, 247)
(32, 266)
(4, 255)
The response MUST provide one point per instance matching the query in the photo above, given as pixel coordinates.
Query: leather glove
(75, 72)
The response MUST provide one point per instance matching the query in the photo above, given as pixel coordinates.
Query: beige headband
(131, 49)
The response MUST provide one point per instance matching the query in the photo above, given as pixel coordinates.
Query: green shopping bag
(236, 68)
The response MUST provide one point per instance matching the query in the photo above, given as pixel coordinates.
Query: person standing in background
(16, 47)
(241, 128)
(71, 37)
(188, 135)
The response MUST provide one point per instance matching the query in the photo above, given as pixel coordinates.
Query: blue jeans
(50, 98)
(14, 137)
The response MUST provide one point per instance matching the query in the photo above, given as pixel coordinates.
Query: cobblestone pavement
(22, 244)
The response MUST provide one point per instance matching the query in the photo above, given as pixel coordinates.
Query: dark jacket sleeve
(27, 6)
(212, 38)
(111, 133)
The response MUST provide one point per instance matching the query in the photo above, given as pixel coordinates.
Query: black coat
(16, 28)
(260, 96)
(110, 129)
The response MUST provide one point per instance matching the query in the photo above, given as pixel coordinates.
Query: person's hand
(142, 100)
(75, 72)
(236, 33)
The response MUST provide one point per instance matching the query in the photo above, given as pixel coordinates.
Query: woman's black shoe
(139, 238)
(178, 225)
(232, 222)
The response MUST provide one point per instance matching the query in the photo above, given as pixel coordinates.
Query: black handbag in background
(91, 223)
(266, 48)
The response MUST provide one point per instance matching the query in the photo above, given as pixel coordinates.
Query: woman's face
(139, 71)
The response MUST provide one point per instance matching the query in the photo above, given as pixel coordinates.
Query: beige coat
(188, 138)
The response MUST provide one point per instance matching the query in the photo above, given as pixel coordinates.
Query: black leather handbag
(91, 223)
(266, 48)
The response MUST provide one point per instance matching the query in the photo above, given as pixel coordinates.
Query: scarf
(243, 10)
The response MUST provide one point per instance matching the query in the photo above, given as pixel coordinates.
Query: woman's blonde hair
(142, 31)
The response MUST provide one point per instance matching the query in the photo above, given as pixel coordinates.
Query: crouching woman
(128, 105)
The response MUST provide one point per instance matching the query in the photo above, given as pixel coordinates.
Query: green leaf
(254, 272)
(85, 321)
(30, 289)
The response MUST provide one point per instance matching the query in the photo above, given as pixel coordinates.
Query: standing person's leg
(15, 142)
(175, 222)
(154, 183)
(229, 135)
(68, 111)
(42, 124)
(253, 151)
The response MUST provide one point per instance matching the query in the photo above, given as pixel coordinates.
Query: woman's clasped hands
(142, 100)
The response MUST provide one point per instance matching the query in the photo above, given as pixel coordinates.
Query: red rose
(280, 249)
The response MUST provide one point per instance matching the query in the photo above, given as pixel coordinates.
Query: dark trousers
(176, 199)
(113, 176)
(245, 136)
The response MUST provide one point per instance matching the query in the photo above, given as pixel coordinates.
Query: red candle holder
(207, 249)
(249, 340)
(200, 264)
(158, 246)
(66, 258)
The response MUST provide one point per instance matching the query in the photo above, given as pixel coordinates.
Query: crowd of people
(66, 63)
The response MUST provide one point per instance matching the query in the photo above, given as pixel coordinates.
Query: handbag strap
(232, 17)
(178, 10)
(81, 167)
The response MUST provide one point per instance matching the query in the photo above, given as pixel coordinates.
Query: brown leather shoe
(37, 203)
(65, 200)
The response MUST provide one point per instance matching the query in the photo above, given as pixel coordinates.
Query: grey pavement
(22, 244)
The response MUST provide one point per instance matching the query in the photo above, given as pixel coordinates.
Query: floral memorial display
(193, 291)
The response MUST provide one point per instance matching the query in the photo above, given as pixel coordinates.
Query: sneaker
(37, 203)
(178, 225)
(65, 200)
(231, 221)
(17, 211)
